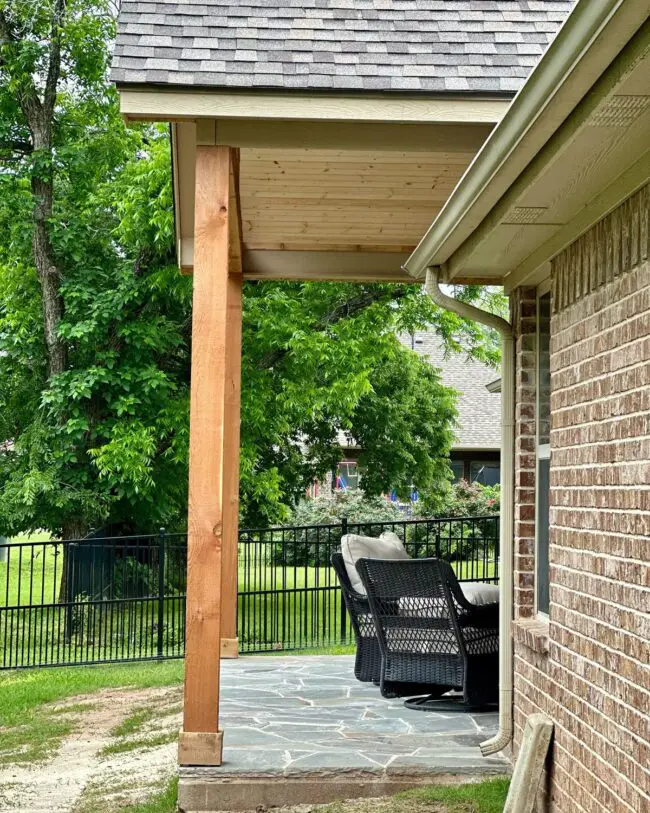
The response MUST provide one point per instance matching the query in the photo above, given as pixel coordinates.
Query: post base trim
(200, 748)
(230, 647)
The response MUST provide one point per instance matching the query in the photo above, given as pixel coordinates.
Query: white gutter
(432, 287)
(592, 36)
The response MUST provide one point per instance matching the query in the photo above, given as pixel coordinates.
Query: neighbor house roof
(484, 46)
(479, 410)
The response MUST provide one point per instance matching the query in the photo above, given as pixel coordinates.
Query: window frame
(542, 451)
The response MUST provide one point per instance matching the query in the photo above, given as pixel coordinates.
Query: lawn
(32, 729)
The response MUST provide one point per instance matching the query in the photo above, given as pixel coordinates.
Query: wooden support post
(229, 573)
(201, 741)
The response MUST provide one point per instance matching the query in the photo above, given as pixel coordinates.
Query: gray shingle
(376, 45)
(479, 411)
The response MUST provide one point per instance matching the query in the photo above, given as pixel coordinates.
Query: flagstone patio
(307, 719)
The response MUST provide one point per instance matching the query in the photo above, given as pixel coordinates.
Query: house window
(347, 475)
(543, 448)
(458, 469)
(484, 472)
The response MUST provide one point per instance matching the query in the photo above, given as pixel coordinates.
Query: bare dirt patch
(79, 775)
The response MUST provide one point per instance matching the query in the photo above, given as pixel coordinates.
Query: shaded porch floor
(290, 714)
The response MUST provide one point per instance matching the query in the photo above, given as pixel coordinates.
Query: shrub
(315, 545)
(351, 505)
(461, 499)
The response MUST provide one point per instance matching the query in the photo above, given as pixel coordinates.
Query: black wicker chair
(367, 666)
(432, 640)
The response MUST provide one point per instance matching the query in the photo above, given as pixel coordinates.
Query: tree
(320, 358)
(95, 320)
(93, 317)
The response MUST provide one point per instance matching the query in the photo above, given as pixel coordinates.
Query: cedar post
(229, 575)
(200, 741)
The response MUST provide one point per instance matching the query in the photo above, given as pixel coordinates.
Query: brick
(594, 682)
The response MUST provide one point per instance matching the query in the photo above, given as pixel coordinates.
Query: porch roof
(354, 119)
(570, 148)
(447, 46)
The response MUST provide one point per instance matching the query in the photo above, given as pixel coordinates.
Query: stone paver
(284, 715)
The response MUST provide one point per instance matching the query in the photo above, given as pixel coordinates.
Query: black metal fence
(122, 599)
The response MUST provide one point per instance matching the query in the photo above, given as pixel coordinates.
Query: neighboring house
(317, 143)
(475, 453)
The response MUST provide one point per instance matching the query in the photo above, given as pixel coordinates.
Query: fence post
(161, 589)
(344, 625)
(68, 564)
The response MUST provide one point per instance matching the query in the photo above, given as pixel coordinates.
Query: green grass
(34, 741)
(123, 746)
(163, 802)
(75, 708)
(35, 572)
(342, 649)
(484, 797)
(24, 691)
(100, 798)
(133, 723)
(31, 730)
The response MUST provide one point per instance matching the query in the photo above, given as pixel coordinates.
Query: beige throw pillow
(479, 593)
(354, 547)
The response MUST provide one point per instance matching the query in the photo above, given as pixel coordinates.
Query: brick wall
(523, 306)
(588, 669)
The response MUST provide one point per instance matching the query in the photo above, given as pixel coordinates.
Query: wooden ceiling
(328, 200)
(343, 200)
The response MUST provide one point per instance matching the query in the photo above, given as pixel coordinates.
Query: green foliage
(461, 499)
(353, 505)
(488, 796)
(321, 358)
(104, 441)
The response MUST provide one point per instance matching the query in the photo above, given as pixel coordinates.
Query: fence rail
(103, 600)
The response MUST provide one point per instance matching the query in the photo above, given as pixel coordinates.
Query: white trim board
(170, 105)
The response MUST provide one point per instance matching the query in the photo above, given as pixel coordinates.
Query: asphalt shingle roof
(479, 411)
(486, 46)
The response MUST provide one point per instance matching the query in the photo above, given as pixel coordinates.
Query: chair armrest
(481, 616)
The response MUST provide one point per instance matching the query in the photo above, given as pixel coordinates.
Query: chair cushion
(354, 547)
(480, 593)
(477, 593)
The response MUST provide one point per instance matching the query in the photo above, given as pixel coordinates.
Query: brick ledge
(532, 633)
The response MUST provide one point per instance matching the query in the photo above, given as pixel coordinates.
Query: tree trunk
(46, 267)
(73, 529)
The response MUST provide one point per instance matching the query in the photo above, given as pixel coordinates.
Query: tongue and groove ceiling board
(343, 200)
(340, 212)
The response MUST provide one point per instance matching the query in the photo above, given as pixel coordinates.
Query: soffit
(339, 213)
(597, 158)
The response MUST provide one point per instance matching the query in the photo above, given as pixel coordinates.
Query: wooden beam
(235, 225)
(177, 105)
(200, 741)
(229, 573)
(345, 266)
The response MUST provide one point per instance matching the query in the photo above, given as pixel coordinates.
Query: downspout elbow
(448, 303)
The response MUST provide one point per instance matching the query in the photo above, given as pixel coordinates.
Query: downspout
(432, 287)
